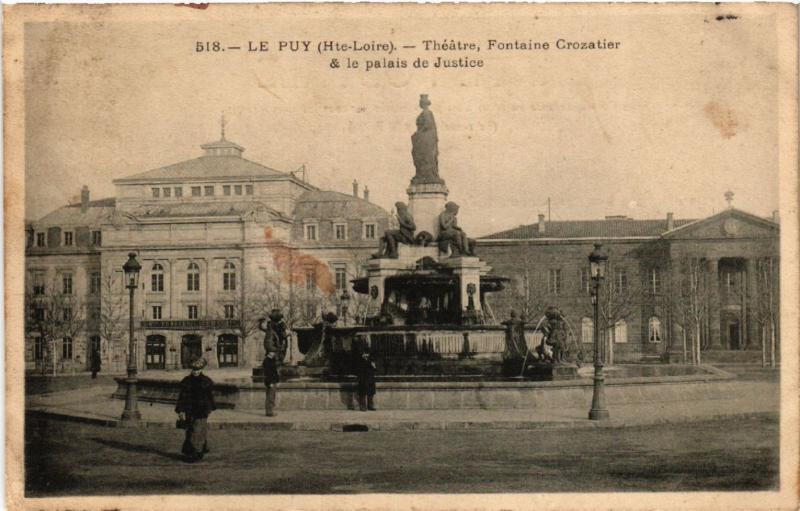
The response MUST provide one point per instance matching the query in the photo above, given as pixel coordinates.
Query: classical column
(713, 304)
(752, 340)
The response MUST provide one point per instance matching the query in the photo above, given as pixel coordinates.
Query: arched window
(157, 278)
(193, 277)
(229, 277)
(587, 330)
(654, 330)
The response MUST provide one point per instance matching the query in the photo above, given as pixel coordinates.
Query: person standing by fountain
(271, 379)
(195, 404)
(365, 371)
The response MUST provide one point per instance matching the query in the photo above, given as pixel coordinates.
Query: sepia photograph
(307, 256)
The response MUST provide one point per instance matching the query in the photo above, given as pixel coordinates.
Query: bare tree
(528, 296)
(618, 299)
(54, 315)
(113, 310)
(767, 310)
(689, 302)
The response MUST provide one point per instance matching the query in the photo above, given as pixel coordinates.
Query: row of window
(311, 231)
(67, 286)
(68, 239)
(200, 191)
(156, 312)
(193, 277)
(619, 333)
(619, 281)
(39, 348)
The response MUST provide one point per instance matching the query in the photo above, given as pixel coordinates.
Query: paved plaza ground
(716, 444)
(80, 459)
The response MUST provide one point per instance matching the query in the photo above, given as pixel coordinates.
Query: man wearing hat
(365, 372)
(195, 403)
(271, 379)
(276, 338)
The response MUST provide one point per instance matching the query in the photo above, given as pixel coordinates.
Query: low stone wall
(166, 391)
(427, 395)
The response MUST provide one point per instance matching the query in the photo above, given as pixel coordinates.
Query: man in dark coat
(365, 371)
(271, 379)
(195, 403)
(95, 362)
(276, 337)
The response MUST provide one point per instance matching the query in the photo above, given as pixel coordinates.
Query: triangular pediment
(728, 224)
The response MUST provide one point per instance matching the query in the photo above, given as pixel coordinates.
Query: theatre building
(221, 240)
(664, 277)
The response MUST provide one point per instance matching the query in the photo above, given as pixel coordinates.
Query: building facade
(670, 282)
(221, 239)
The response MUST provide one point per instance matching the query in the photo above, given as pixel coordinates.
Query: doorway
(191, 349)
(734, 335)
(228, 350)
(155, 352)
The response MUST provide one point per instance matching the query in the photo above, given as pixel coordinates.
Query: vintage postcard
(403, 256)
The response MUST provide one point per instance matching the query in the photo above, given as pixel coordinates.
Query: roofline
(545, 240)
(699, 221)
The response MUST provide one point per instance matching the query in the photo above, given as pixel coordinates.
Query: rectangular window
(38, 313)
(193, 312)
(167, 192)
(94, 283)
(341, 278)
(369, 231)
(655, 281)
(67, 313)
(621, 281)
(40, 240)
(178, 191)
(311, 232)
(228, 281)
(229, 312)
(195, 191)
(311, 279)
(67, 238)
(157, 282)
(209, 190)
(38, 283)
(586, 281)
(554, 285)
(66, 348)
(38, 348)
(66, 281)
(340, 231)
(193, 282)
(237, 189)
(97, 238)
(156, 192)
(226, 189)
(156, 312)
(248, 189)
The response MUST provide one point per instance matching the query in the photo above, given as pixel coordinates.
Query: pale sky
(685, 110)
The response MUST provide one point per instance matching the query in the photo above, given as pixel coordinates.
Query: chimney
(355, 188)
(366, 193)
(775, 217)
(670, 221)
(541, 223)
(84, 198)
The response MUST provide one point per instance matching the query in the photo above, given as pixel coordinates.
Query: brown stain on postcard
(724, 119)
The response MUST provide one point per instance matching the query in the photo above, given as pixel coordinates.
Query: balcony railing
(191, 324)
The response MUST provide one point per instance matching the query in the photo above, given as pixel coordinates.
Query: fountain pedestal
(425, 202)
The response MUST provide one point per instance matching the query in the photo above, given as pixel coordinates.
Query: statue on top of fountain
(425, 146)
(451, 235)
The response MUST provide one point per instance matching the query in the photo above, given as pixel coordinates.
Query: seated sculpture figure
(405, 234)
(451, 235)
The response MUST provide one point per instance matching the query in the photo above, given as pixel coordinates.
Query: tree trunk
(699, 360)
(683, 339)
(763, 346)
(772, 346)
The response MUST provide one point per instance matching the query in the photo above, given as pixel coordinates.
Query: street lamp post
(345, 305)
(131, 415)
(597, 265)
